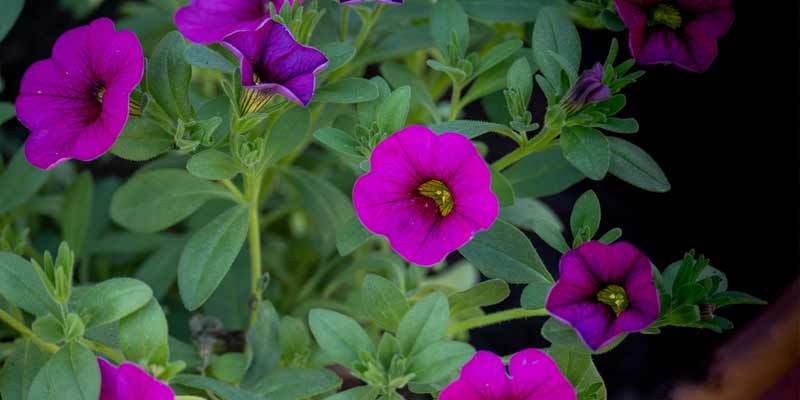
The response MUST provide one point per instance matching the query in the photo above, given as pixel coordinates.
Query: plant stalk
(18, 326)
(496, 318)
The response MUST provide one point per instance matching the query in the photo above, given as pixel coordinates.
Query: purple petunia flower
(129, 382)
(589, 88)
(534, 375)
(427, 194)
(682, 32)
(77, 102)
(604, 291)
(273, 62)
(209, 21)
(393, 2)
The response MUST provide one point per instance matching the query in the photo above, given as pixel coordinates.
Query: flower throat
(666, 15)
(615, 297)
(439, 193)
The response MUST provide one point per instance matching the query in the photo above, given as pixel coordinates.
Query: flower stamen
(667, 15)
(615, 297)
(439, 193)
(253, 100)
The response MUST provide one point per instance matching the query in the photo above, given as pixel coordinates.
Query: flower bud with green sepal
(190, 135)
(57, 276)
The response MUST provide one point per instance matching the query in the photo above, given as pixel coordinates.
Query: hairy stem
(455, 100)
(496, 318)
(541, 142)
(112, 354)
(252, 193)
(20, 327)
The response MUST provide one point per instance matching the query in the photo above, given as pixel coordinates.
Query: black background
(727, 140)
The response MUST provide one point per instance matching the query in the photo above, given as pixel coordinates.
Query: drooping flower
(681, 32)
(392, 2)
(273, 62)
(209, 21)
(534, 375)
(604, 291)
(427, 194)
(77, 102)
(589, 88)
(130, 382)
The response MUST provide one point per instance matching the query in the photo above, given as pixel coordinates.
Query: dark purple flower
(77, 102)
(209, 21)
(682, 32)
(534, 376)
(427, 193)
(589, 88)
(604, 291)
(273, 62)
(129, 382)
(393, 2)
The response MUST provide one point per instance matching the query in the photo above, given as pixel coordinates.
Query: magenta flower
(129, 382)
(273, 62)
(589, 88)
(209, 21)
(604, 291)
(427, 194)
(76, 102)
(393, 2)
(534, 375)
(682, 32)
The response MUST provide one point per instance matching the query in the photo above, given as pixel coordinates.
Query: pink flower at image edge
(130, 382)
(210, 21)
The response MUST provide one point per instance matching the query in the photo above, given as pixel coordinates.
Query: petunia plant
(312, 207)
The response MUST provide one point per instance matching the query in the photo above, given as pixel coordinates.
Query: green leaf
(393, 112)
(293, 338)
(20, 369)
(486, 293)
(731, 298)
(611, 236)
(356, 393)
(398, 75)
(76, 211)
(506, 10)
(470, 129)
(588, 150)
(9, 11)
(338, 140)
(222, 390)
(228, 368)
(157, 199)
(402, 41)
(352, 236)
(498, 54)
(383, 302)
(449, 19)
(144, 336)
(633, 165)
(489, 82)
(212, 165)
(579, 369)
(534, 215)
(338, 54)
(298, 383)
(502, 189)
(619, 125)
(209, 255)
(339, 336)
(347, 91)
(555, 32)
(585, 214)
(160, 269)
(520, 78)
(141, 140)
(562, 335)
(424, 324)
(111, 300)
(19, 182)
(204, 57)
(21, 285)
(263, 350)
(168, 77)
(288, 133)
(7, 110)
(48, 328)
(535, 295)
(504, 252)
(72, 373)
(439, 361)
(542, 174)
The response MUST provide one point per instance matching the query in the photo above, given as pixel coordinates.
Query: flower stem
(361, 39)
(455, 99)
(496, 318)
(345, 24)
(252, 192)
(112, 354)
(18, 326)
(541, 142)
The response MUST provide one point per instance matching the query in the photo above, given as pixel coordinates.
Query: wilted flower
(209, 21)
(393, 2)
(534, 375)
(129, 382)
(274, 62)
(682, 32)
(77, 102)
(589, 88)
(427, 194)
(604, 291)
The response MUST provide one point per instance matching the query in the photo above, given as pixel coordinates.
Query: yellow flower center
(667, 15)
(98, 94)
(439, 193)
(615, 297)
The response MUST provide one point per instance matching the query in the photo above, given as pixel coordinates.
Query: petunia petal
(700, 6)
(534, 376)
(108, 376)
(460, 390)
(486, 374)
(140, 385)
(210, 21)
(610, 263)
